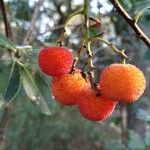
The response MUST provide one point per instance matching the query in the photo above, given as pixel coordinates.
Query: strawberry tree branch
(88, 47)
(81, 47)
(6, 22)
(86, 32)
(4, 124)
(28, 37)
(6, 113)
(131, 21)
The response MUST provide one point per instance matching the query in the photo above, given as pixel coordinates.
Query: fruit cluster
(118, 83)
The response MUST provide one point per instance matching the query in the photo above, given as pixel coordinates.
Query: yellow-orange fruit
(95, 108)
(66, 88)
(122, 82)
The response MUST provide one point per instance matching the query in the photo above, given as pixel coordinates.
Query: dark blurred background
(66, 129)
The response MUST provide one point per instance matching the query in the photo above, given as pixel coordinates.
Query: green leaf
(10, 83)
(4, 76)
(13, 83)
(74, 19)
(135, 141)
(44, 89)
(37, 90)
(92, 31)
(5, 42)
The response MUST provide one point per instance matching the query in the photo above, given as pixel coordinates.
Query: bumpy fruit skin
(122, 82)
(55, 61)
(95, 108)
(66, 88)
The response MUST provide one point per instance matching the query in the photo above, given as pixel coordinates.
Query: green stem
(59, 42)
(121, 53)
(88, 47)
(88, 44)
(82, 42)
(85, 9)
(140, 13)
(86, 23)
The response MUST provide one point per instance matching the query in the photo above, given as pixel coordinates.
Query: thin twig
(6, 22)
(4, 124)
(28, 37)
(88, 48)
(88, 45)
(138, 31)
(6, 113)
(121, 53)
(59, 42)
(81, 47)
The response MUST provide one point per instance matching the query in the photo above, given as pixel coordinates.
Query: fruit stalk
(82, 42)
(88, 47)
(121, 53)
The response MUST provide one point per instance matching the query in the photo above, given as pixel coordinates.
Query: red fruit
(95, 108)
(67, 87)
(55, 61)
(122, 82)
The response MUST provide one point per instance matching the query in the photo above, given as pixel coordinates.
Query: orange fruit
(66, 88)
(95, 108)
(122, 82)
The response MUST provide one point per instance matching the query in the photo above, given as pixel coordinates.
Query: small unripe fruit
(95, 108)
(66, 88)
(55, 61)
(122, 82)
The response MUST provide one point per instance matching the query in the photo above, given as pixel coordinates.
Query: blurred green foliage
(66, 129)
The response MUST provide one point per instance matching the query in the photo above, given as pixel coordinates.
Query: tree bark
(28, 37)
(131, 22)
(6, 113)
(3, 126)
